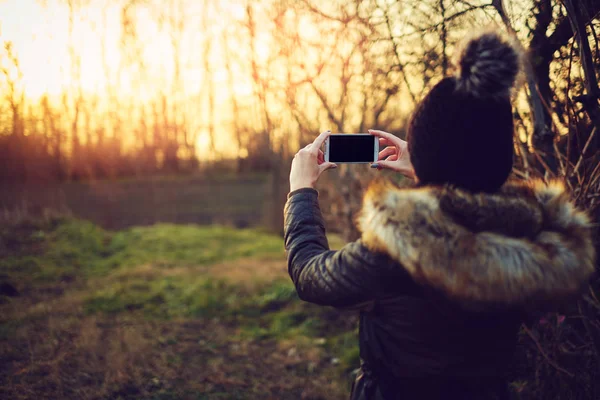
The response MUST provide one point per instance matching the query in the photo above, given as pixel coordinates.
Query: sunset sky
(40, 36)
(39, 31)
(49, 47)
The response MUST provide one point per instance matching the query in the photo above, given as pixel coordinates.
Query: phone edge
(376, 149)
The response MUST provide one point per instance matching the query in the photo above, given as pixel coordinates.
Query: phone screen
(351, 148)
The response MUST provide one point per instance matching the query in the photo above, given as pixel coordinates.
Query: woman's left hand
(308, 164)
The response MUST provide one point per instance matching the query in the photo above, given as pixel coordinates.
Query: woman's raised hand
(395, 156)
(309, 163)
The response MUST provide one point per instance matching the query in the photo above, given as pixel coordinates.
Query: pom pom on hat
(487, 63)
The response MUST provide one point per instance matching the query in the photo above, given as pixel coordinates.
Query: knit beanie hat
(461, 133)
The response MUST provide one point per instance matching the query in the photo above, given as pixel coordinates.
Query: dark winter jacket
(442, 279)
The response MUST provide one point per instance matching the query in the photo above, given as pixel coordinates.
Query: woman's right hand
(395, 156)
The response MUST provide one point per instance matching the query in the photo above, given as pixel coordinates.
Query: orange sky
(40, 35)
(41, 38)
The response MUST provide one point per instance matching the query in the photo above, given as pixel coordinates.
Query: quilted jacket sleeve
(344, 278)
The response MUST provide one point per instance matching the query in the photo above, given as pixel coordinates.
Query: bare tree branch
(590, 100)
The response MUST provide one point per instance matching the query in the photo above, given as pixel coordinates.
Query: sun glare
(92, 53)
(104, 50)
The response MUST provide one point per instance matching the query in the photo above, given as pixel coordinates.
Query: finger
(303, 149)
(320, 140)
(325, 166)
(320, 157)
(388, 151)
(393, 157)
(396, 141)
(385, 142)
(384, 164)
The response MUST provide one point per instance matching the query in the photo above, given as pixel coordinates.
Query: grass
(162, 312)
(79, 248)
(165, 298)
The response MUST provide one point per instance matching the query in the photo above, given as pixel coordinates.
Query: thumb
(385, 164)
(325, 166)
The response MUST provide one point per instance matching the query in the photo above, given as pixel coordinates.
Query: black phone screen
(351, 148)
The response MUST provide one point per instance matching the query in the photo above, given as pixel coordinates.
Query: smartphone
(352, 148)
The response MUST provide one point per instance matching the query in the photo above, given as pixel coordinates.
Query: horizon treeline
(175, 86)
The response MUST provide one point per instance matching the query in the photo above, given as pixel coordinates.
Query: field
(161, 312)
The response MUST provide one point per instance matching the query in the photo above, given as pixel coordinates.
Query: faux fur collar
(526, 243)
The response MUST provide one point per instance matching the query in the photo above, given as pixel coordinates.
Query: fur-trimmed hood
(526, 244)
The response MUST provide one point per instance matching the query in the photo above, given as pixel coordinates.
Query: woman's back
(414, 345)
(442, 278)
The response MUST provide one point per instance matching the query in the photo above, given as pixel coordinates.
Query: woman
(444, 272)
